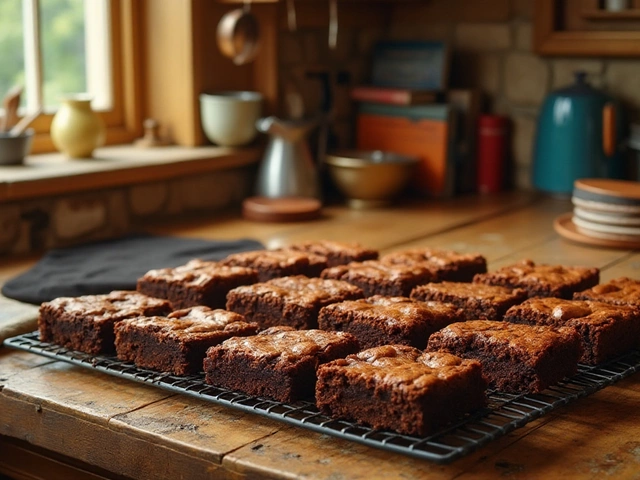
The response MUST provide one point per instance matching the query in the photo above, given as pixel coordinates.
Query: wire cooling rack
(504, 412)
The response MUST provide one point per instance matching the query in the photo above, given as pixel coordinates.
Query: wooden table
(73, 422)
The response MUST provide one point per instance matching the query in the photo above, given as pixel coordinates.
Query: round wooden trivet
(565, 227)
(284, 209)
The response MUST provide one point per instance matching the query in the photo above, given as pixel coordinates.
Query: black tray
(504, 412)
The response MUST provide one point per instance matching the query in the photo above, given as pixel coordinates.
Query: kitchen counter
(71, 422)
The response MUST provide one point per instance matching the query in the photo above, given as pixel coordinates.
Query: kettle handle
(609, 129)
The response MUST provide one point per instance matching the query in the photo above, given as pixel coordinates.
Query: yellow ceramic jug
(76, 129)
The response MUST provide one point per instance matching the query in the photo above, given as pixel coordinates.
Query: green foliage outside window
(11, 49)
(62, 40)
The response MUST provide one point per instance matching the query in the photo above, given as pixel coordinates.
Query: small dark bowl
(13, 148)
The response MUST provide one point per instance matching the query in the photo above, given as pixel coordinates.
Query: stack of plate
(605, 212)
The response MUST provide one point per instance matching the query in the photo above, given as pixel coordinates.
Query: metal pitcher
(287, 169)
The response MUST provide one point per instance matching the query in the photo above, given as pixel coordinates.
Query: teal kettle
(579, 133)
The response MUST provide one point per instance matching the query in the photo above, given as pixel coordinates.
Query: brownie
(336, 253)
(196, 283)
(401, 388)
(86, 323)
(515, 358)
(606, 330)
(446, 264)
(380, 320)
(542, 280)
(292, 301)
(178, 342)
(378, 278)
(278, 263)
(477, 301)
(278, 363)
(619, 291)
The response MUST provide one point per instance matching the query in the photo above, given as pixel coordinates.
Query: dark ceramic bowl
(14, 148)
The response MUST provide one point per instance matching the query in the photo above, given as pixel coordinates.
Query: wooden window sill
(114, 166)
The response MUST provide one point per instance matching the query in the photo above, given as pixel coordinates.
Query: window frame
(124, 120)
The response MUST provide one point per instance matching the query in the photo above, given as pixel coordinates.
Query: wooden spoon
(10, 103)
(22, 125)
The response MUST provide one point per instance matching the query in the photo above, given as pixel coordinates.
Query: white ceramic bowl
(229, 118)
(13, 148)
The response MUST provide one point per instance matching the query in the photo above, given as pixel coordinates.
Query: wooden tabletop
(73, 422)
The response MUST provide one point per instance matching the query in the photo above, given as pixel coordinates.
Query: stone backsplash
(41, 224)
(492, 51)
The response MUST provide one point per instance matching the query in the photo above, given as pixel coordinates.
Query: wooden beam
(170, 66)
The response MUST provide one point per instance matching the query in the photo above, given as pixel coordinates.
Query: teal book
(435, 111)
(420, 65)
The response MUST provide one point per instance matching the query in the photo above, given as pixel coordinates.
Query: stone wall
(498, 58)
(44, 223)
(492, 50)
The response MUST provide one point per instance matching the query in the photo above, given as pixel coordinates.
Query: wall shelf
(563, 28)
(599, 14)
(116, 166)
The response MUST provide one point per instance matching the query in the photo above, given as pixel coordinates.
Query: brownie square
(380, 320)
(278, 263)
(278, 363)
(542, 280)
(375, 277)
(477, 301)
(196, 283)
(336, 253)
(515, 358)
(400, 388)
(619, 291)
(446, 264)
(177, 343)
(606, 330)
(292, 301)
(86, 323)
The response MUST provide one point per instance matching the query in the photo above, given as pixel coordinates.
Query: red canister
(492, 152)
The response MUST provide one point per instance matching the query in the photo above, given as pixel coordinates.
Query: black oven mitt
(112, 265)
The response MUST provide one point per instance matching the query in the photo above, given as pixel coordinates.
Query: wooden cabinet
(586, 28)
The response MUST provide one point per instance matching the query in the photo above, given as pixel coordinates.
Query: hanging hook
(291, 16)
(333, 24)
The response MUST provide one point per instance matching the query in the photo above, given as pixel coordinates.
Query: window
(54, 48)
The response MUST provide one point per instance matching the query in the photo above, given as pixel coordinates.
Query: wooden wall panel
(169, 63)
